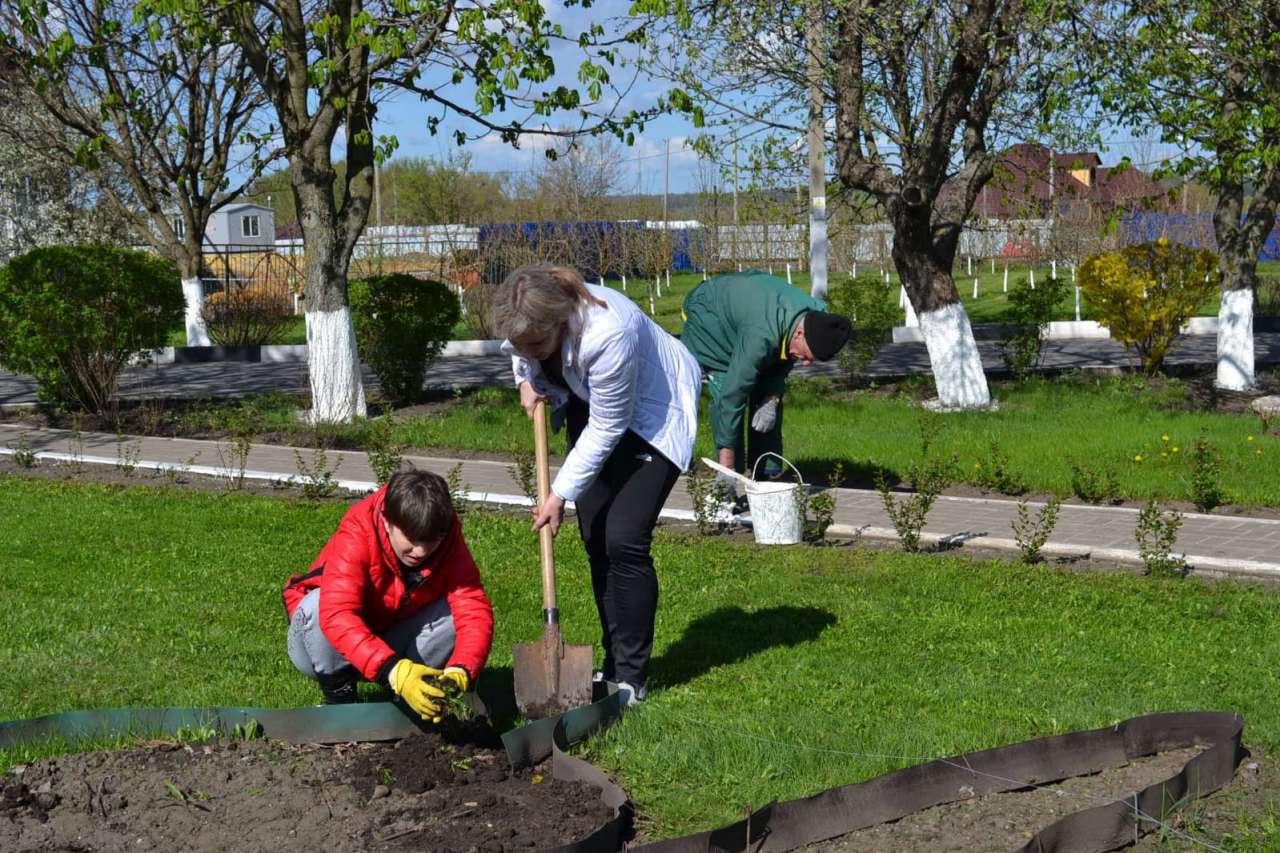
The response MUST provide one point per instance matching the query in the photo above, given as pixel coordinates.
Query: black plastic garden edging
(779, 826)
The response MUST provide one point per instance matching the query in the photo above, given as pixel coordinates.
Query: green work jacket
(738, 325)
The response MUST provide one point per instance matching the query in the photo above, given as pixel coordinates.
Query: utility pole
(817, 154)
(666, 180)
(735, 202)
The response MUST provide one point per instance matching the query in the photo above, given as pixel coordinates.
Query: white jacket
(632, 374)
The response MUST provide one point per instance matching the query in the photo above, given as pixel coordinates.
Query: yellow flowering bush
(1145, 294)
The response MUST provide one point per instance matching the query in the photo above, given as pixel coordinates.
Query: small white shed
(241, 227)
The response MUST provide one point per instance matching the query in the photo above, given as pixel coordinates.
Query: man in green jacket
(748, 330)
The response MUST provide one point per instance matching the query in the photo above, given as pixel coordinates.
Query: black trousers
(616, 517)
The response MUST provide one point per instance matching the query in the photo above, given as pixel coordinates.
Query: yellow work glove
(409, 681)
(458, 676)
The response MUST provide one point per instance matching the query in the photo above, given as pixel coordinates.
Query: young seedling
(455, 705)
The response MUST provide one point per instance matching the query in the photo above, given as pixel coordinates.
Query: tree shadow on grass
(731, 634)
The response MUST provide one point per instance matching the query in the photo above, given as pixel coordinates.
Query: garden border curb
(780, 827)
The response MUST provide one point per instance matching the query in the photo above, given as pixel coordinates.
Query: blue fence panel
(1189, 229)
(578, 243)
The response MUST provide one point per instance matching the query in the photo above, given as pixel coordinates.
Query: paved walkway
(1212, 544)
(238, 379)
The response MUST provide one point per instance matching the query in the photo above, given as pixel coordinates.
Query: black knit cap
(825, 333)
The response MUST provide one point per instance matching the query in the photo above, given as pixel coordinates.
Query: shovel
(550, 676)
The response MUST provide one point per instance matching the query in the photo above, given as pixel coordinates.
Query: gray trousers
(426, 637)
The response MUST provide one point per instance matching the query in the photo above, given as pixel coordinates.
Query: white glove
(766, 416)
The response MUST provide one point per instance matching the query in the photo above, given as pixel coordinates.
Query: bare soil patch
(427, 792)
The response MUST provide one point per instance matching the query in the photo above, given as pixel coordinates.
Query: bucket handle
(799, 478)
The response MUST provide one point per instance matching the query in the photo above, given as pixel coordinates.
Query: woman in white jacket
(628, 392)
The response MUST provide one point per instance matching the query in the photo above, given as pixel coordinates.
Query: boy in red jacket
(394, 598)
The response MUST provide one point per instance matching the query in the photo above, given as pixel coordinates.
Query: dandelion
(1164, 455)
(1164, 438)
(1137, 457)
(977, 465)
(1249, 438)
(1175, 449)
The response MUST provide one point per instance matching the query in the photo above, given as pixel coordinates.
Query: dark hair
(418, 503)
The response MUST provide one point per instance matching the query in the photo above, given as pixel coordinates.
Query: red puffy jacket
(364, 592)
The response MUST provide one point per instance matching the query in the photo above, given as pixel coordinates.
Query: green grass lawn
(777, 672)
(989, 306)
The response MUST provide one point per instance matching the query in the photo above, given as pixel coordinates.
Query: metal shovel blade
(550, 676)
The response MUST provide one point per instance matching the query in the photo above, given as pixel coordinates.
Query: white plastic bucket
(775, 510)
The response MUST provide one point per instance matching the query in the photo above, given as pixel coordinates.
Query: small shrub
(1157, 533)
(318, 479)
(127, 454)
(707, 496)
(247, 315)
(993, 473)
(458, 489)
(23, 455)
(402, 323)
(1030, 310)
(477, 302)
(871, 307)
(523, 473)
(385, 455)
(244, 423)
(174, 474)
(233, 457)
(1031, 533)
(928, 480)
(74, 316)
(1144, 294)
(821, 508)
(1206, 483)
(1093, 485)
(75, 445)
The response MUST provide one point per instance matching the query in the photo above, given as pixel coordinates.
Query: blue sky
(405, 116)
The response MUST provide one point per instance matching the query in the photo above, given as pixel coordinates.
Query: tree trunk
(188, 254)
(924, 260)
(337, 390)
(197, 331)
(1241, 232)
(1235, 339)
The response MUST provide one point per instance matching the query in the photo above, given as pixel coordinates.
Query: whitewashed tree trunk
(337, 390)
(1235, 340)
(954, 356)
(910, 320)
(197, 330)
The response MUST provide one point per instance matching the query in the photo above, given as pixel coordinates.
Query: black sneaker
(340, 691)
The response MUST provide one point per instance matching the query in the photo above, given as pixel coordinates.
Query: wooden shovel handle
(542, 458)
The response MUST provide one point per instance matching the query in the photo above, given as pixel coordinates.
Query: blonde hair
(536, 299)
